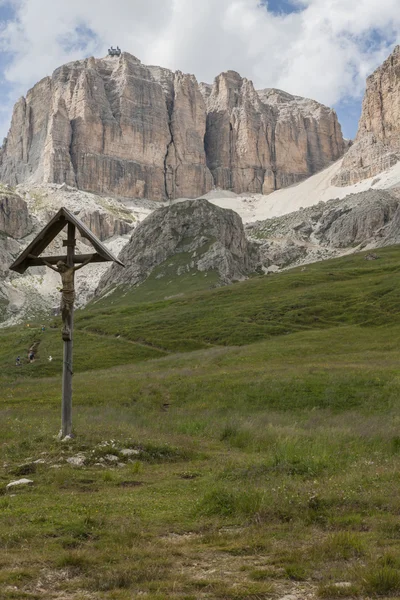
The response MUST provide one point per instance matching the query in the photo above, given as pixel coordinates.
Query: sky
(320, 49)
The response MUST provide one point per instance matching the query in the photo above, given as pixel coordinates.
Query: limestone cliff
(15, 220)
(377, 144)
(261, 141)
(115, 126)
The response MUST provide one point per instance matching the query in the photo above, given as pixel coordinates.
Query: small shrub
(343, 545)
(218, 502)
(317, 510)
(79, 530)
(16, 576)
(228, 432)
(262, 574)
(154, 453)
(26, 469)
(107, 476)
(382, 581)
(74, 560)
(296, 572)
(136, 467)
(106, 581)
(236, 437)
(390, 560)
(224, 503)
(395, 445)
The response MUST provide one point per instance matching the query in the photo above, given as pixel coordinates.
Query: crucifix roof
(30, 256)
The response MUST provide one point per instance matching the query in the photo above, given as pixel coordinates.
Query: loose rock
(18, 483)
(111, 458)
(129, 452)
(78, 460)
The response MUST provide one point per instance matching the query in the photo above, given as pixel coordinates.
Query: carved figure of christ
(67, 292)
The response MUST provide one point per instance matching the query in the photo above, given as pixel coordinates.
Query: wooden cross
(65, 265)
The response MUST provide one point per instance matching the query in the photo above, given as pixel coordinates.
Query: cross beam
(37, 261)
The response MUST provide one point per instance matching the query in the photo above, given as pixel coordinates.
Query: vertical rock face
(377, 144)
(118, 127)
(307, 136)
(381, 108)
(104, 225)
(15, 220)
(21, 155)
(239, 138)
(261, 141)
(186, 174)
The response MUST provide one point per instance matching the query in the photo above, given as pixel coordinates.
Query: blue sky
(315, 48)
(283, 6)
(6, 88)
(348, 109)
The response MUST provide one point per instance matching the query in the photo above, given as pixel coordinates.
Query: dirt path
(120, 337)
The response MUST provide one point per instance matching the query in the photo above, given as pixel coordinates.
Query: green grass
(264, 420)
(346, 291)
(175, 277)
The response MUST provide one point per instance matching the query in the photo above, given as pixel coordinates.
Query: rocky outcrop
(358, 219)
(15, 220)
(104, 216)
(366, 158)
(9, 249)
(261, 141)
(115, 126)
(377, 144)
(188, 237)
(369, 219)
(104, 225)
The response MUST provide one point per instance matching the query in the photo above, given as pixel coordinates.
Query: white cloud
(324, 52)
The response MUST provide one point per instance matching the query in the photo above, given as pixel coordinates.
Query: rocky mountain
(189, 245)
(190, 238)
(261, 141)
(366, 220)
(115, 126)
(197, 238)
(377, 145)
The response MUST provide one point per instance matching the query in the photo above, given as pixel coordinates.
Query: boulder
(203, 236)
(77, 461)
(18, 483)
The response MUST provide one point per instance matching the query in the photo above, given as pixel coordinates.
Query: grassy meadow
(263, 427)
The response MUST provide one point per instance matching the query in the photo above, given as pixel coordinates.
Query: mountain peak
(112, 125)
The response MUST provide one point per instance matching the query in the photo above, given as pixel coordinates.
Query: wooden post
(31, 257)
(66, 408)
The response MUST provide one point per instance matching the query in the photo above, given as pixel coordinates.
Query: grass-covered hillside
(262, 423)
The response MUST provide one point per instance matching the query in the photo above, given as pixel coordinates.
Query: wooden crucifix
(66, 266)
